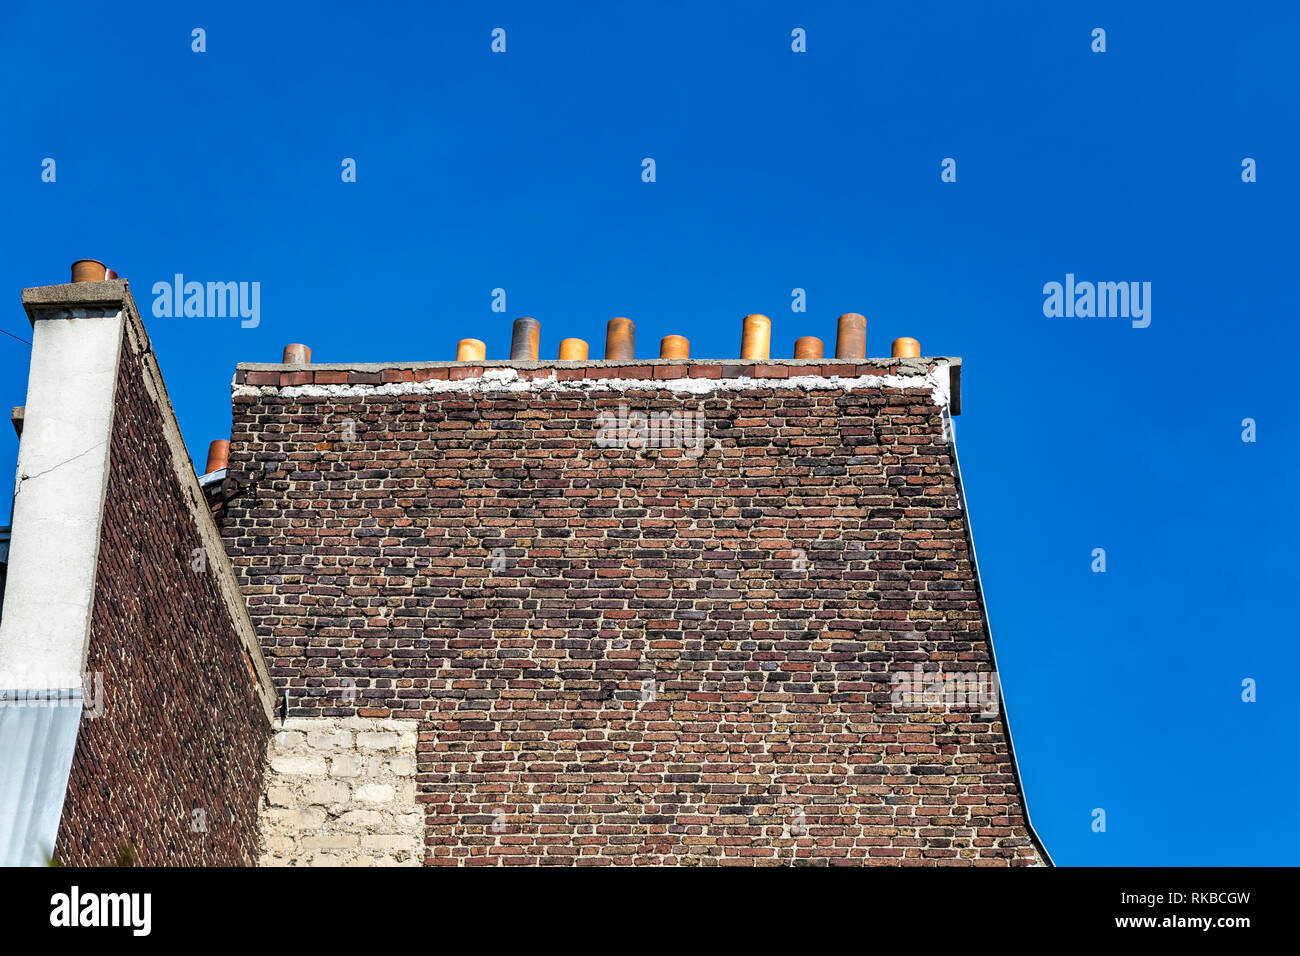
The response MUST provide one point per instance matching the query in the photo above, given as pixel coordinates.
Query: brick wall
(630, 655)
(170, 772)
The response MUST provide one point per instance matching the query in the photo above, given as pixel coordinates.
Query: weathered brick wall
(474, 560)
(170, 772)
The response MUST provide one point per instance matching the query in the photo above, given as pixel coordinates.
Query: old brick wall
(630, 655)
(170, 772)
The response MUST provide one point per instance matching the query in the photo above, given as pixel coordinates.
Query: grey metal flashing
(988, 633)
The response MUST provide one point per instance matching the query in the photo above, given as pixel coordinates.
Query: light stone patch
(341, 792)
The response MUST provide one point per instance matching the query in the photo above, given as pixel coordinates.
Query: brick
(706, 371)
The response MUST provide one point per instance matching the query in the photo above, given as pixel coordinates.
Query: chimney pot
(808, 347)
(110, 274)
(674, 347)
(756, 337)
(906, 348)
(525, 339)
(573, 350)
(88, 270)
(851, 336)
(470, 350)
(218, 455)
(620, 339)
(296, 354)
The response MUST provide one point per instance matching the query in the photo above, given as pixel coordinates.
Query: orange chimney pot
(470, 350)
(906, 348)
(756, 337)
(573, 350)
(88, 270)
(674, 347)
(808, 347)
(218, 455)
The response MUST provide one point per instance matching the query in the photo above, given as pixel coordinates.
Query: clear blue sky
(778, 170)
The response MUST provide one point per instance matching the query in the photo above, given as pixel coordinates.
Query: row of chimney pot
(620, 343)
(620, 337)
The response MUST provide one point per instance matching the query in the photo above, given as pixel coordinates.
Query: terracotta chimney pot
(573, 350)
(470, 350)
(851, 336)
(756, 337)
(218, 455)
(620, 340)
(88, 270)
(906, 348)
(808, 347)
(674, 347)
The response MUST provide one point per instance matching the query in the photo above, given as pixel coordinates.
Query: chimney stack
(756, 337)
(525, 340)
(218, 455)
(89, 270)
(906, 348)
(674, 347)
(808, 347)
(620, 340)
(573, 350)
(296, 354)
(851, 336)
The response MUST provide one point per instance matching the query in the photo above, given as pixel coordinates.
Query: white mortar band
(494, 380)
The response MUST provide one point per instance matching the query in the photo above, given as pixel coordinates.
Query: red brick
(706, 371)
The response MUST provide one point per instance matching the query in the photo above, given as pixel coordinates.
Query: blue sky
(777, 170)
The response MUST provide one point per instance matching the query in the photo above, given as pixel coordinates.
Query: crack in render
(22, 478)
